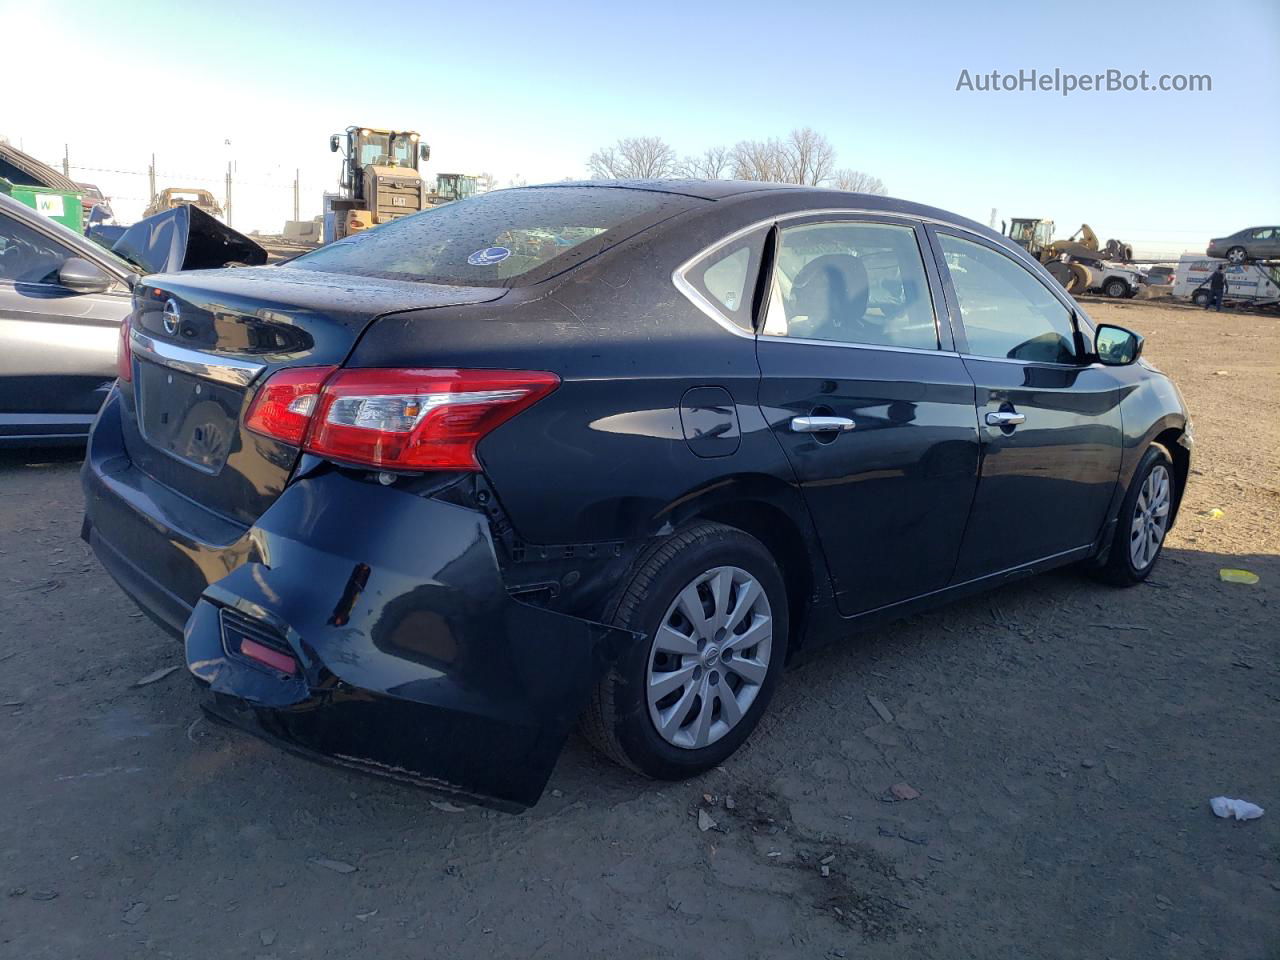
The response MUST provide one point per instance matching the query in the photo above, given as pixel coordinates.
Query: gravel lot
(1064, 738)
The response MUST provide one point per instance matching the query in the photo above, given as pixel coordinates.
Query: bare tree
(857, 182)
(517, 181)
(714, 163)
(485, 182)
(808, 157)
(634, 158)
(759, 160)
(804, 157)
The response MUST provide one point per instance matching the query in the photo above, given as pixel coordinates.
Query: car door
(871, 404)
(1049, 419)
(57, 346)
(1265, 243)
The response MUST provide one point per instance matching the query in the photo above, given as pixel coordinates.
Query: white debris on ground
(1240, 809)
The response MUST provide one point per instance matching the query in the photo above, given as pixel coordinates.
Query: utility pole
(297, 174)
(228, 204)
(66, 160)
(151, 173)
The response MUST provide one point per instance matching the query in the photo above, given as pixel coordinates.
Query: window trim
(1083, 337)
(946, 344)
(935, 278)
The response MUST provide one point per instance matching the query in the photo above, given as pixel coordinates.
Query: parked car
(422, 499)
(1254, 243)
(61, 302)
(1115, 280)
(94, 198)
(1160, 276)
(62, 298)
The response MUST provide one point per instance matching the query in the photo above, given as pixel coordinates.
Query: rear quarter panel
(604, 457)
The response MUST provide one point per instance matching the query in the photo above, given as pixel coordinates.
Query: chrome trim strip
(208, 366)
(1033, 363)
(774, 338)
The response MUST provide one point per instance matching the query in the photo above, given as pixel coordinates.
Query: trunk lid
(204, 342)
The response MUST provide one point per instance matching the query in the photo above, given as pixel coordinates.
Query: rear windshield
(504, 238)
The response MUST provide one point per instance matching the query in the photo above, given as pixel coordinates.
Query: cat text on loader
(380, 180)
(1078, 264)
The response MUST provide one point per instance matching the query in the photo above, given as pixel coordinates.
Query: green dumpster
(57, 205)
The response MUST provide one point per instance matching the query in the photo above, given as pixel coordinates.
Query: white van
(1248, 282)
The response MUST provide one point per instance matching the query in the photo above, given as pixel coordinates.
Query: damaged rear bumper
(409, 658)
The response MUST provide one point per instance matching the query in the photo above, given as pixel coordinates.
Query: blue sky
(530, 90)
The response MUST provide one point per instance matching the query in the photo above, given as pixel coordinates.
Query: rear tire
(1200, 298)
(675, 704)
(1143, 521)
(1237, 255)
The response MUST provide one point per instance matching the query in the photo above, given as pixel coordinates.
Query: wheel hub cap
(709, 658)
(1150, 518)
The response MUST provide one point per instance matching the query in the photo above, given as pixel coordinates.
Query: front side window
(1007, 312)
(27, 256)
(847, 282)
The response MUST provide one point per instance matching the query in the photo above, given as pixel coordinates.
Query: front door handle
(821, 424)
(1005, 418)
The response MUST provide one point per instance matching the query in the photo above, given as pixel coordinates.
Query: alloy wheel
(709, 658)
(1150, 518)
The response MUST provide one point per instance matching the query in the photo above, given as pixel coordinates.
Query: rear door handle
(1005, 418)
(821, 424)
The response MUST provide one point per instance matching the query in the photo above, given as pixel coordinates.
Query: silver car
(62, 299)
(1254, 243)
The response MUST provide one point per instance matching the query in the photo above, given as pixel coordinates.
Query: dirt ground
(1064, 737)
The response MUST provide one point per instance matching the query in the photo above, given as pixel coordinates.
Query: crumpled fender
(415, 662)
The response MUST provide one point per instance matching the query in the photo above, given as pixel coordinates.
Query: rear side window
(851, 282)
(724, 281)
(503, 238)
(1007, 312)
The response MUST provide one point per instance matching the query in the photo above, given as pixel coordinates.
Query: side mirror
(424, 152)
(333, 143)
(1116, 346)
(82, 276)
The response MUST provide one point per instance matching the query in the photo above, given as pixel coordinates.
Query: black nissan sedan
(610, 453)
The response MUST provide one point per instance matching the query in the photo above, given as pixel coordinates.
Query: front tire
(1143, 522)
(1116, 289)
(712, 608)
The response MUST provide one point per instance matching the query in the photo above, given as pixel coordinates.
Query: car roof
(702, 189)
(801, 197)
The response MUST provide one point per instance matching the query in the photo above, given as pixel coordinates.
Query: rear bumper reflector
(277, 661)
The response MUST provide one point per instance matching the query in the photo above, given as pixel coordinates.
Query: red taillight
(283, 407)
(418, 419)
(124, 354)
(393, 419)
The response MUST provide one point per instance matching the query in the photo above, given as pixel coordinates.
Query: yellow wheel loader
(1074, 263)
(380, 180)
